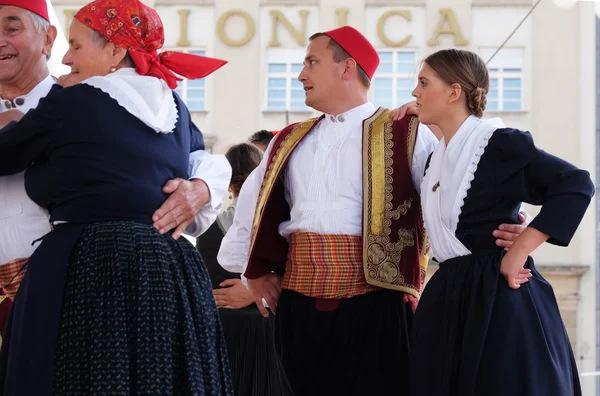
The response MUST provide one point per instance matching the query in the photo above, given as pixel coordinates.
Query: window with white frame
(284, 91)
(506, 79)
(395, 78)
(193, 92)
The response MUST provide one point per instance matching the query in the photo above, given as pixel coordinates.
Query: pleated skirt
(137, 318)
(255, 368)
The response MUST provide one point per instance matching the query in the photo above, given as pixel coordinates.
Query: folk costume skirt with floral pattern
(137, 318)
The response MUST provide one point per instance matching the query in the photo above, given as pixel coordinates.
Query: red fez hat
(38, 7)
(357, 45)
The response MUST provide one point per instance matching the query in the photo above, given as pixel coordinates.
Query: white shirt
(323, 184)
(22, 221)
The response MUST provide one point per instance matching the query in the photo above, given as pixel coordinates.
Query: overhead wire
(513, 32)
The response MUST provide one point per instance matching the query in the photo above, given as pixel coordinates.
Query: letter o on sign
(251, 28)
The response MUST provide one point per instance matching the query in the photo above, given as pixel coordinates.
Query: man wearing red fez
(336, 244)
(337, 247)
(25, 79)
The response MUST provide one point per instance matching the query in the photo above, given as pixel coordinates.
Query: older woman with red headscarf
(108, 305)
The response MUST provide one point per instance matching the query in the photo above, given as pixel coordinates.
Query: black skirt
(473, 335)
(137, 317)
(255, 368)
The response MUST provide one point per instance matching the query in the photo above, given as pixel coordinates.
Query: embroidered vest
(395, 246)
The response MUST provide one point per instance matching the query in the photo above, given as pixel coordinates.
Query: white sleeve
(216, 173)
(424, 146)
(235, 246)
(528, 219)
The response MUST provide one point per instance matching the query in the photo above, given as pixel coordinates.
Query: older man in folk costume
(26, 41)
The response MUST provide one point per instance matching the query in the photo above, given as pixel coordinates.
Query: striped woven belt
(325, 266)
(11, 275)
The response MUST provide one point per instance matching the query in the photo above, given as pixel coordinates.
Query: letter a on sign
(447, 16)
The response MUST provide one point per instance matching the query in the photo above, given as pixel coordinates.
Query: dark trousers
(359, 348)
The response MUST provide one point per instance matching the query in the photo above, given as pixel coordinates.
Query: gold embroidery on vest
(425, 248)
(402, 209)
(286, 147)
(381, 257)
(378, 167)
(413, 127)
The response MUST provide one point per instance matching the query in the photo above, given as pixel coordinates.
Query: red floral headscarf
(132, 25)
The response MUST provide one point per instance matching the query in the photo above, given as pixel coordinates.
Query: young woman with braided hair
(488, 323)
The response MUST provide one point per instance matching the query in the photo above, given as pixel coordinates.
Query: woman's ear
(118, 53)
(456, 92)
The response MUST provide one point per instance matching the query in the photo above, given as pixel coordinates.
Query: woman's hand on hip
(514, 272)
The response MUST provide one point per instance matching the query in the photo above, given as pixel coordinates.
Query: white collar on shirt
(447, 182)
(148, 98)
(357, 114)
(31, 99)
